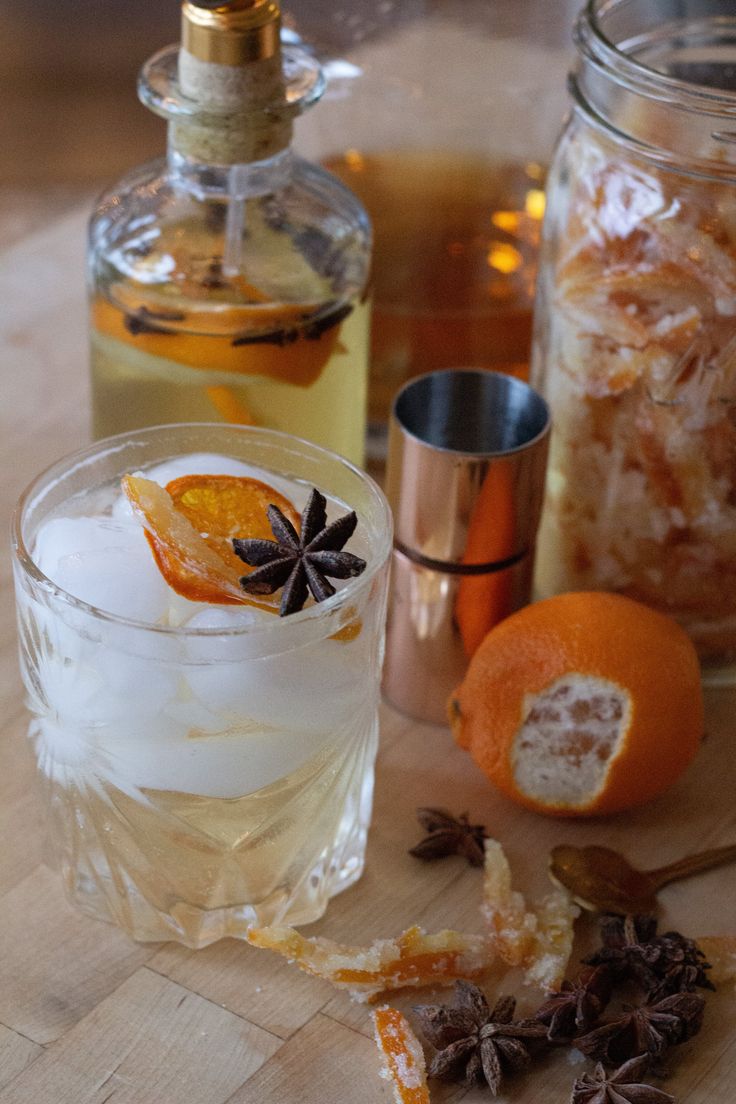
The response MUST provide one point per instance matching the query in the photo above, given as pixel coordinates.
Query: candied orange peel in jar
(639, 362)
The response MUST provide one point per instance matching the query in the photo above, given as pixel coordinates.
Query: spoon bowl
(602, 880)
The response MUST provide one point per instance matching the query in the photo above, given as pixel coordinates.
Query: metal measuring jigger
(465, 478)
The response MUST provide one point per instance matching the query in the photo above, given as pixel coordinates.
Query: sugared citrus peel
(403, 1058)
(539, 941)
(190, 525)
(409, 961)
(720, 950)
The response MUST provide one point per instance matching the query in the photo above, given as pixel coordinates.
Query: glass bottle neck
(239, 181)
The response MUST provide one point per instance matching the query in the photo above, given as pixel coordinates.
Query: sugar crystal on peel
(412, 960)
(402, 1054)
(540, 941)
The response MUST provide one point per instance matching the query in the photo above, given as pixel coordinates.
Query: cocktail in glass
(206, 767)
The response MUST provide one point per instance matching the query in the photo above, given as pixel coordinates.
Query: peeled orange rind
(403, 1058)
(412, 960)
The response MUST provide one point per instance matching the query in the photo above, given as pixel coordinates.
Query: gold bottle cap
(231, 32)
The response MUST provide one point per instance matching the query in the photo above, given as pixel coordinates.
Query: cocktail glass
(205, 768)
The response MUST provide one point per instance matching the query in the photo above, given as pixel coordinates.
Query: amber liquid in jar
(455, 254)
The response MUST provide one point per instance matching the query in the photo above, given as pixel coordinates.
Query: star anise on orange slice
(190, 525)
(300, 562)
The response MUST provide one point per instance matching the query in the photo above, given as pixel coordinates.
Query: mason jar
(635, 325)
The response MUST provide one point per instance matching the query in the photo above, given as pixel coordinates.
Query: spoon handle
(691, 864)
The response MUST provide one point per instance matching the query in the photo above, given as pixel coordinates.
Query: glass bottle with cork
(228, 281)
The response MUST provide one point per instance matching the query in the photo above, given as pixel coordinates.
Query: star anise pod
(577, 1005)
(661, 964)
(648, 1029)
(449, 835)
(681, 967)
(627, 948)
(623, 1086)
(475, 1043)
(300, 562)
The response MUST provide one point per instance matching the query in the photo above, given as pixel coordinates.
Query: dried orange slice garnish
(403, 1057)
(188, 526)
(221, 507)
(540, 941)
(409, 961)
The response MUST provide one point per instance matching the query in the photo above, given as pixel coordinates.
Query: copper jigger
(465, 478)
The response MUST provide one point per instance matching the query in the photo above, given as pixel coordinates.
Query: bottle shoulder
(305, 241)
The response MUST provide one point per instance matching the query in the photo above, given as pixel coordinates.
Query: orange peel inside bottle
(287, 342)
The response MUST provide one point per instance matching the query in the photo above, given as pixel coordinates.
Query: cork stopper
(230, 61)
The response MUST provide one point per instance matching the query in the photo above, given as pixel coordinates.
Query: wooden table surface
(88, 1017)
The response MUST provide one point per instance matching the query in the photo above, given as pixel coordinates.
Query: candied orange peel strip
(720, 951)
(412, 960)
(200, 569)
(539, 941)
(402, 1054)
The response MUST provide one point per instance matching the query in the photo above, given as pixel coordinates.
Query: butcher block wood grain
(88, 1017)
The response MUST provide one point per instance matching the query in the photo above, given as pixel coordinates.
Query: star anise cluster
(659, 964)
(480, 1045)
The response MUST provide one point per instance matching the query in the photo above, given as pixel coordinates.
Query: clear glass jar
(635, 329)
(228, 281)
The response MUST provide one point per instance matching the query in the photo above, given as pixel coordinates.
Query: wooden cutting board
(88, 1017)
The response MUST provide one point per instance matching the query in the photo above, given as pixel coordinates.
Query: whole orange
(581, 704)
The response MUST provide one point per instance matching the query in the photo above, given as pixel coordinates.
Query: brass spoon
(603, 881)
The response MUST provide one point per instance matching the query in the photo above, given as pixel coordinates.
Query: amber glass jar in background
(635, 333)
(441, 115)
